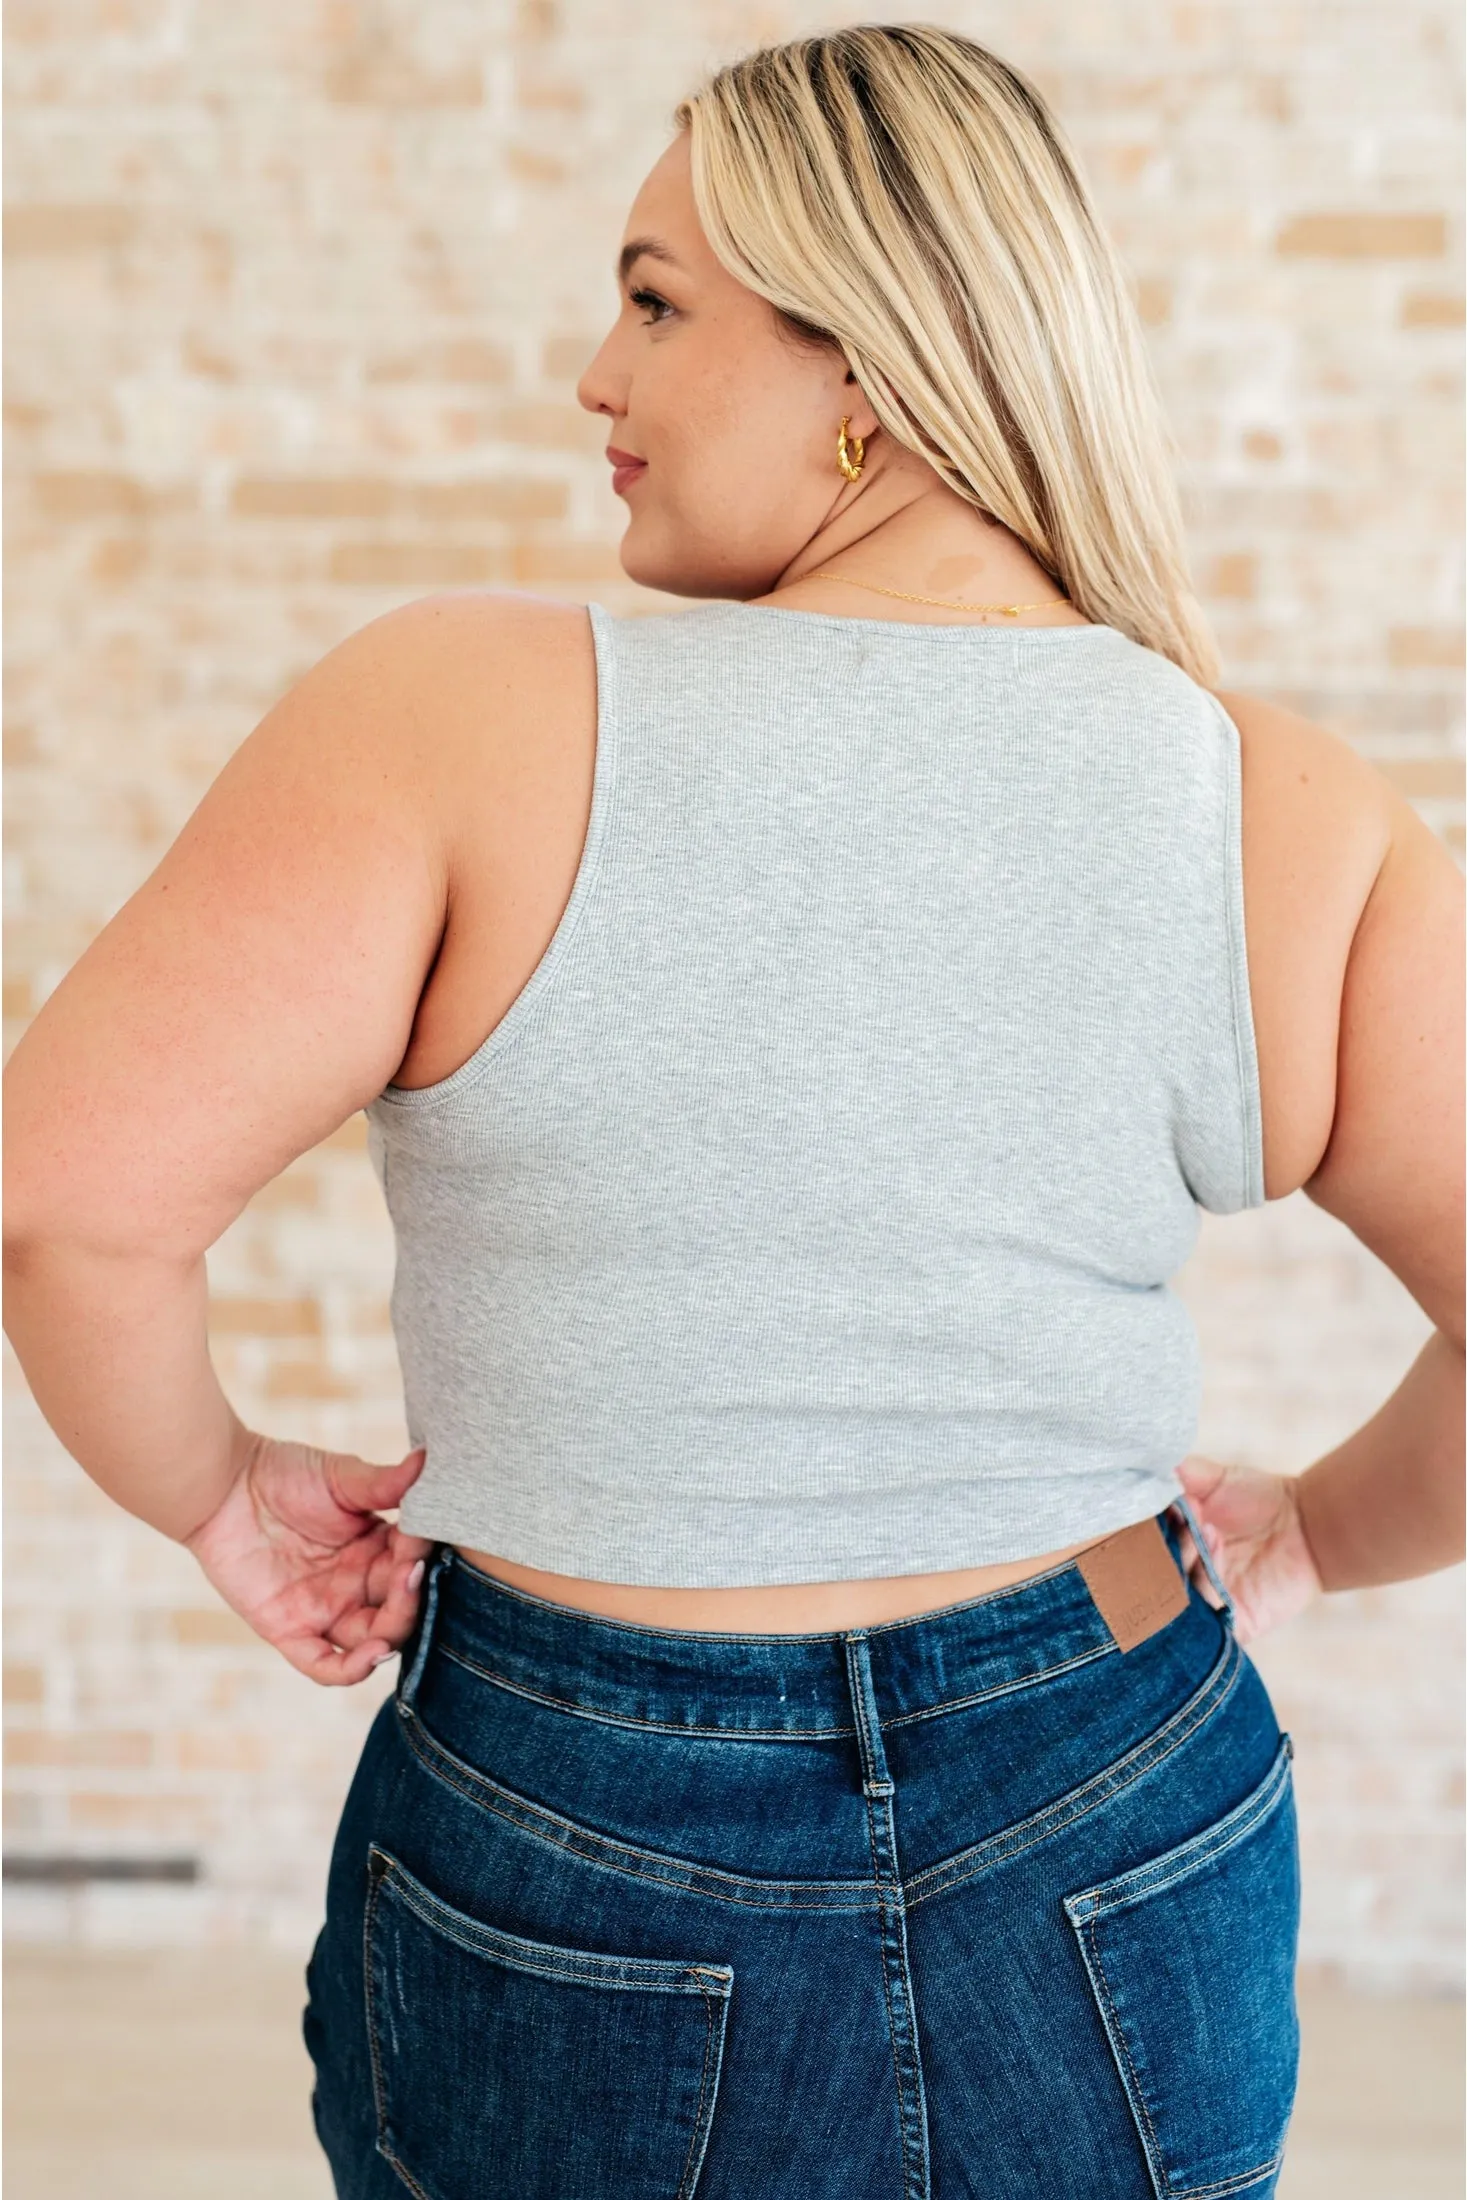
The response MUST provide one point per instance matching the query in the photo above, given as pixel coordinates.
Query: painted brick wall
(298, 295)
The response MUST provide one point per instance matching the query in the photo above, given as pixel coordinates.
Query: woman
(798, 1034)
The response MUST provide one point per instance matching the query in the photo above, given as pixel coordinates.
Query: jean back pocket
(1191, 1958)
(503, 2065)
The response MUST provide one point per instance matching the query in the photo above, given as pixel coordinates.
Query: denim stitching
(1130, 2079)
(1058, 1816)
(682, 2186)
(914, 2167)
(410, 1674)
(438, 1917)
(379, 2083)
(411, 2182)
(566, 1971)
(989, 1596)
(1004, 1688)
(1227, 2185)
(1259, 1808)
(693, 2161)
(863, 1723)
(766, 1733)
(484, 1939)
(649, 1726)
(1067, 1809)
(713, 2003)
(876, 1880)
(896, 2064)
(1120, 2047)
(1236, 2183)
(1193, 1854)
(591, 1847)
(878, 1791)
(368, 1920)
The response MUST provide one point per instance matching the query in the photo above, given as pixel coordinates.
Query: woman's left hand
(1254, 1534)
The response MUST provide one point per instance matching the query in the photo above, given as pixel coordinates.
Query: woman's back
(808, 1213)
(372, 883)
(505, 689)
(797, 1045)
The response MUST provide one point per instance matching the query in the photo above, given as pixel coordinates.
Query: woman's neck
(908, 536)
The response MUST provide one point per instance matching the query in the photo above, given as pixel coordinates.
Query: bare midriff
(782, 1608)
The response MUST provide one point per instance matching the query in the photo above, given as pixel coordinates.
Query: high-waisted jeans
(969, 1904)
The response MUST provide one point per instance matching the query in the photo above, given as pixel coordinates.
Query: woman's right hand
(299, 1550)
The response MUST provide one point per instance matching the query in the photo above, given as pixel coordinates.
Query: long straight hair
(898, 191)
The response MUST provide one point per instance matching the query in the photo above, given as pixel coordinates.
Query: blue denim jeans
(970, 1904)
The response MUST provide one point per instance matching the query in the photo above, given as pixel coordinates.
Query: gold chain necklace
(943, 603)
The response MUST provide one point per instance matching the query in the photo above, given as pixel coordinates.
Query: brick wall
(297, 300)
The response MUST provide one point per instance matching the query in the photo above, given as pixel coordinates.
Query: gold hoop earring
(850, 457)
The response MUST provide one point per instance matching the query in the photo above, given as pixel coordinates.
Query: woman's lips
(625, 468)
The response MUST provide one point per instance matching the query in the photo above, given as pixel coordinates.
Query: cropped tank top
(810, 1212)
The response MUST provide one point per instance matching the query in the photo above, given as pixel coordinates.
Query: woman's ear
(863, 421)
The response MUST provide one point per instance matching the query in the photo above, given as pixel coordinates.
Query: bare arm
(1375, 1134)
(258, 989)
(1387, 1504)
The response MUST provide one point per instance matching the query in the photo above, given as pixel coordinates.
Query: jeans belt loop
(410, 1674)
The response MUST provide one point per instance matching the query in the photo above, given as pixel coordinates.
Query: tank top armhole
(1245, 1040)
(536, 988)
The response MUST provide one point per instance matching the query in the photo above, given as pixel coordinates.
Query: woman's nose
(600, 389)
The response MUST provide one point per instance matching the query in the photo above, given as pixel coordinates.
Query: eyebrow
(652, 247)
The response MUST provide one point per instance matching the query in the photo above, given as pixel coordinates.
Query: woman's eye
(649, 299)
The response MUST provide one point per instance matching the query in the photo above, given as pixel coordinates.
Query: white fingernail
(415, 1576)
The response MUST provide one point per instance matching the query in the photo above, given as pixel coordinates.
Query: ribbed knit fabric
(810, 1213)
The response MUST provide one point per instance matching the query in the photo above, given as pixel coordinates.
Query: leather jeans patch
(1136, 1583)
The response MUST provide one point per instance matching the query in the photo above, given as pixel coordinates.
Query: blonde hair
(901, 192)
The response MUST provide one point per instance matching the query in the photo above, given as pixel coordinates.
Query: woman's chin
(649, 564)
(654, 563)
(672, 576)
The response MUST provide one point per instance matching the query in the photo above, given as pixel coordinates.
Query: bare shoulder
(419, 709)
(495, 617)
(1321, 823)
(463, 646)
(1293, 766)
(1354, 916)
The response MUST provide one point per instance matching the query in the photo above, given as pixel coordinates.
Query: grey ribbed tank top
(809, 1215)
